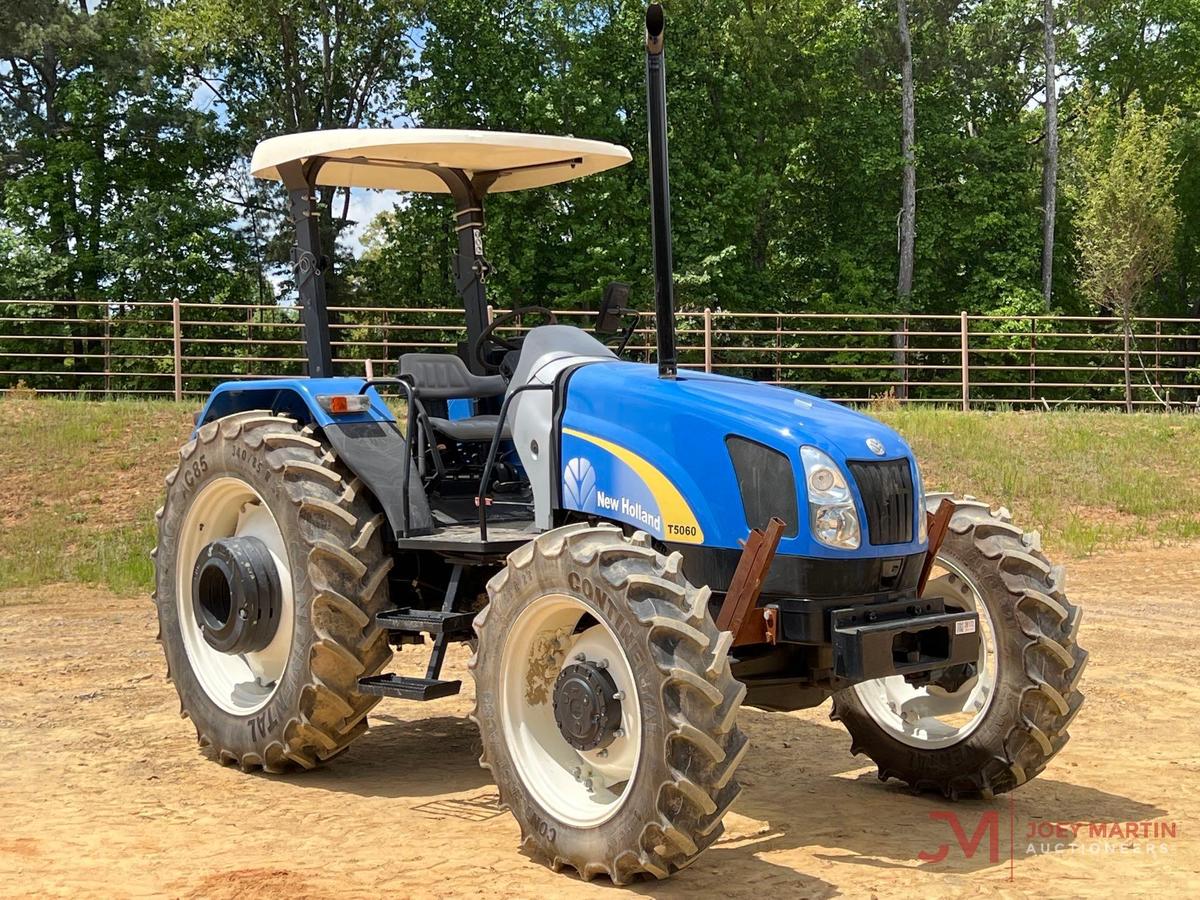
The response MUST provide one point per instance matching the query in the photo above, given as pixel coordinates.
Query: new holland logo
(875, 446)
(579, 482)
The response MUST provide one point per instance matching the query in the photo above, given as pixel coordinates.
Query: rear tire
(1035, 695)
(589, 585)
(331, 559)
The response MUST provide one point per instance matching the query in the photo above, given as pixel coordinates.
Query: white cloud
(365, 205)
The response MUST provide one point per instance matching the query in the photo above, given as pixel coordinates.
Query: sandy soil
(105, 792)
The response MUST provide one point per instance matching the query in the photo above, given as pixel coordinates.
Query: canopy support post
(470, 268)
(309, 264)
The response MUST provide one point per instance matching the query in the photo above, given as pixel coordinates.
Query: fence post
(965, 363)
(778, 347)
(1157, 355)
(900, 358)
(1128, 382)
(1032, 358)
(177, 335)
(107, 352)
(387, 350)
(707, 339)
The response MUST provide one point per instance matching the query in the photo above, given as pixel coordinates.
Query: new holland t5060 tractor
(631, 550)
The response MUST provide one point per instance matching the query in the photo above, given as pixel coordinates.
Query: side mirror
(612, 307)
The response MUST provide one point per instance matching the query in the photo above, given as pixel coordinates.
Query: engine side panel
(604, 477)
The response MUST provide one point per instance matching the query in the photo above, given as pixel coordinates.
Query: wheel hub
(954, 677)
(587, 706)
(236, 595)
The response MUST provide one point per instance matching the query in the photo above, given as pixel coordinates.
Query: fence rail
(182, 349)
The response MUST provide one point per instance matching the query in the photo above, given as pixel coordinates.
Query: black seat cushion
(473, 428)
(443, 376)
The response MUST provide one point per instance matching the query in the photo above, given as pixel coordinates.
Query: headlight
(922, 516)
(831, 513)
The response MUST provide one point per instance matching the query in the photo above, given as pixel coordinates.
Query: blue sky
(365, 205)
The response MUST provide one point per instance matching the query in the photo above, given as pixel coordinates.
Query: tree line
(996, 156)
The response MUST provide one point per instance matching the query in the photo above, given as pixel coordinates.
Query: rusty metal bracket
(938, 524)
(770, 616)
(738, 614)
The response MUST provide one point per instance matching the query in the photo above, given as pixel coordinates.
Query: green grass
(1087, 480)
(79, 481)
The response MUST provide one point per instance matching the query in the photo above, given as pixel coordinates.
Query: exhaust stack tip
(655, 21)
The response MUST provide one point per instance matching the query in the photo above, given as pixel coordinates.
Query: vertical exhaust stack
(660, 192)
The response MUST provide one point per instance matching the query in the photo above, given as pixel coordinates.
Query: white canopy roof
(390, 158)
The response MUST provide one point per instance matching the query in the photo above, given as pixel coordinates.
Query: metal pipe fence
(182, 349)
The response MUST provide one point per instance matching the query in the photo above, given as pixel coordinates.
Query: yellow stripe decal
(679, 523)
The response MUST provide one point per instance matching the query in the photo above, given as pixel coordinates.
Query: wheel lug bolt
(603, 754)
(620, 732)
(619, 695)
(603, 664)
(577, 772)
(579, 657)
(588, 784)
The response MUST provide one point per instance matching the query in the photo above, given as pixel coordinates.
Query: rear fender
(369, 444)
(295, 397)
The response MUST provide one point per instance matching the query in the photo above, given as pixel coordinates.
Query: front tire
(588, 600)
(1024, 692)
(295, 702)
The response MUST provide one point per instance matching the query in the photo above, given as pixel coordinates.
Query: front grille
(887, 494)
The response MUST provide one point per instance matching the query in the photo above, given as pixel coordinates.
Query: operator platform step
(408, 688)
(427, 621)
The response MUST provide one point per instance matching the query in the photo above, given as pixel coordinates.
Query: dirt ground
(106, 793)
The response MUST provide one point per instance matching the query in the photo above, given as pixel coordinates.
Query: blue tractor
(632, 551)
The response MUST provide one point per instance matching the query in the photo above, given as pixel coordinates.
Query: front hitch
(903, 638)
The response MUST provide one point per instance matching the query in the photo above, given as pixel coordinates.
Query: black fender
(376, 452)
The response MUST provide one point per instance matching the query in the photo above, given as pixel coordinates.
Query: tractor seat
(474, 428)
(443, 376)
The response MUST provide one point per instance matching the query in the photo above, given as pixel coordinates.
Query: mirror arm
(633, 316)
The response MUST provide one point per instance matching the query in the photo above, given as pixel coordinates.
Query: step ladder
(445, 625)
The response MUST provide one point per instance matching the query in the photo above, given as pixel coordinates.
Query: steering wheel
(488, 339)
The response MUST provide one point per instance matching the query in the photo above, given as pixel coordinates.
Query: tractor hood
(790, 416)
(654, 452)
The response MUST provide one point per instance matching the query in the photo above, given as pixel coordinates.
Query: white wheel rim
(931, 717)
(240, 684)
(581, 788)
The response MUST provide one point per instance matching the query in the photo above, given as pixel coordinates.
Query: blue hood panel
(651, 451)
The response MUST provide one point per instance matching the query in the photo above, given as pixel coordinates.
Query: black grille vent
(767, 484)
(887, 492)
